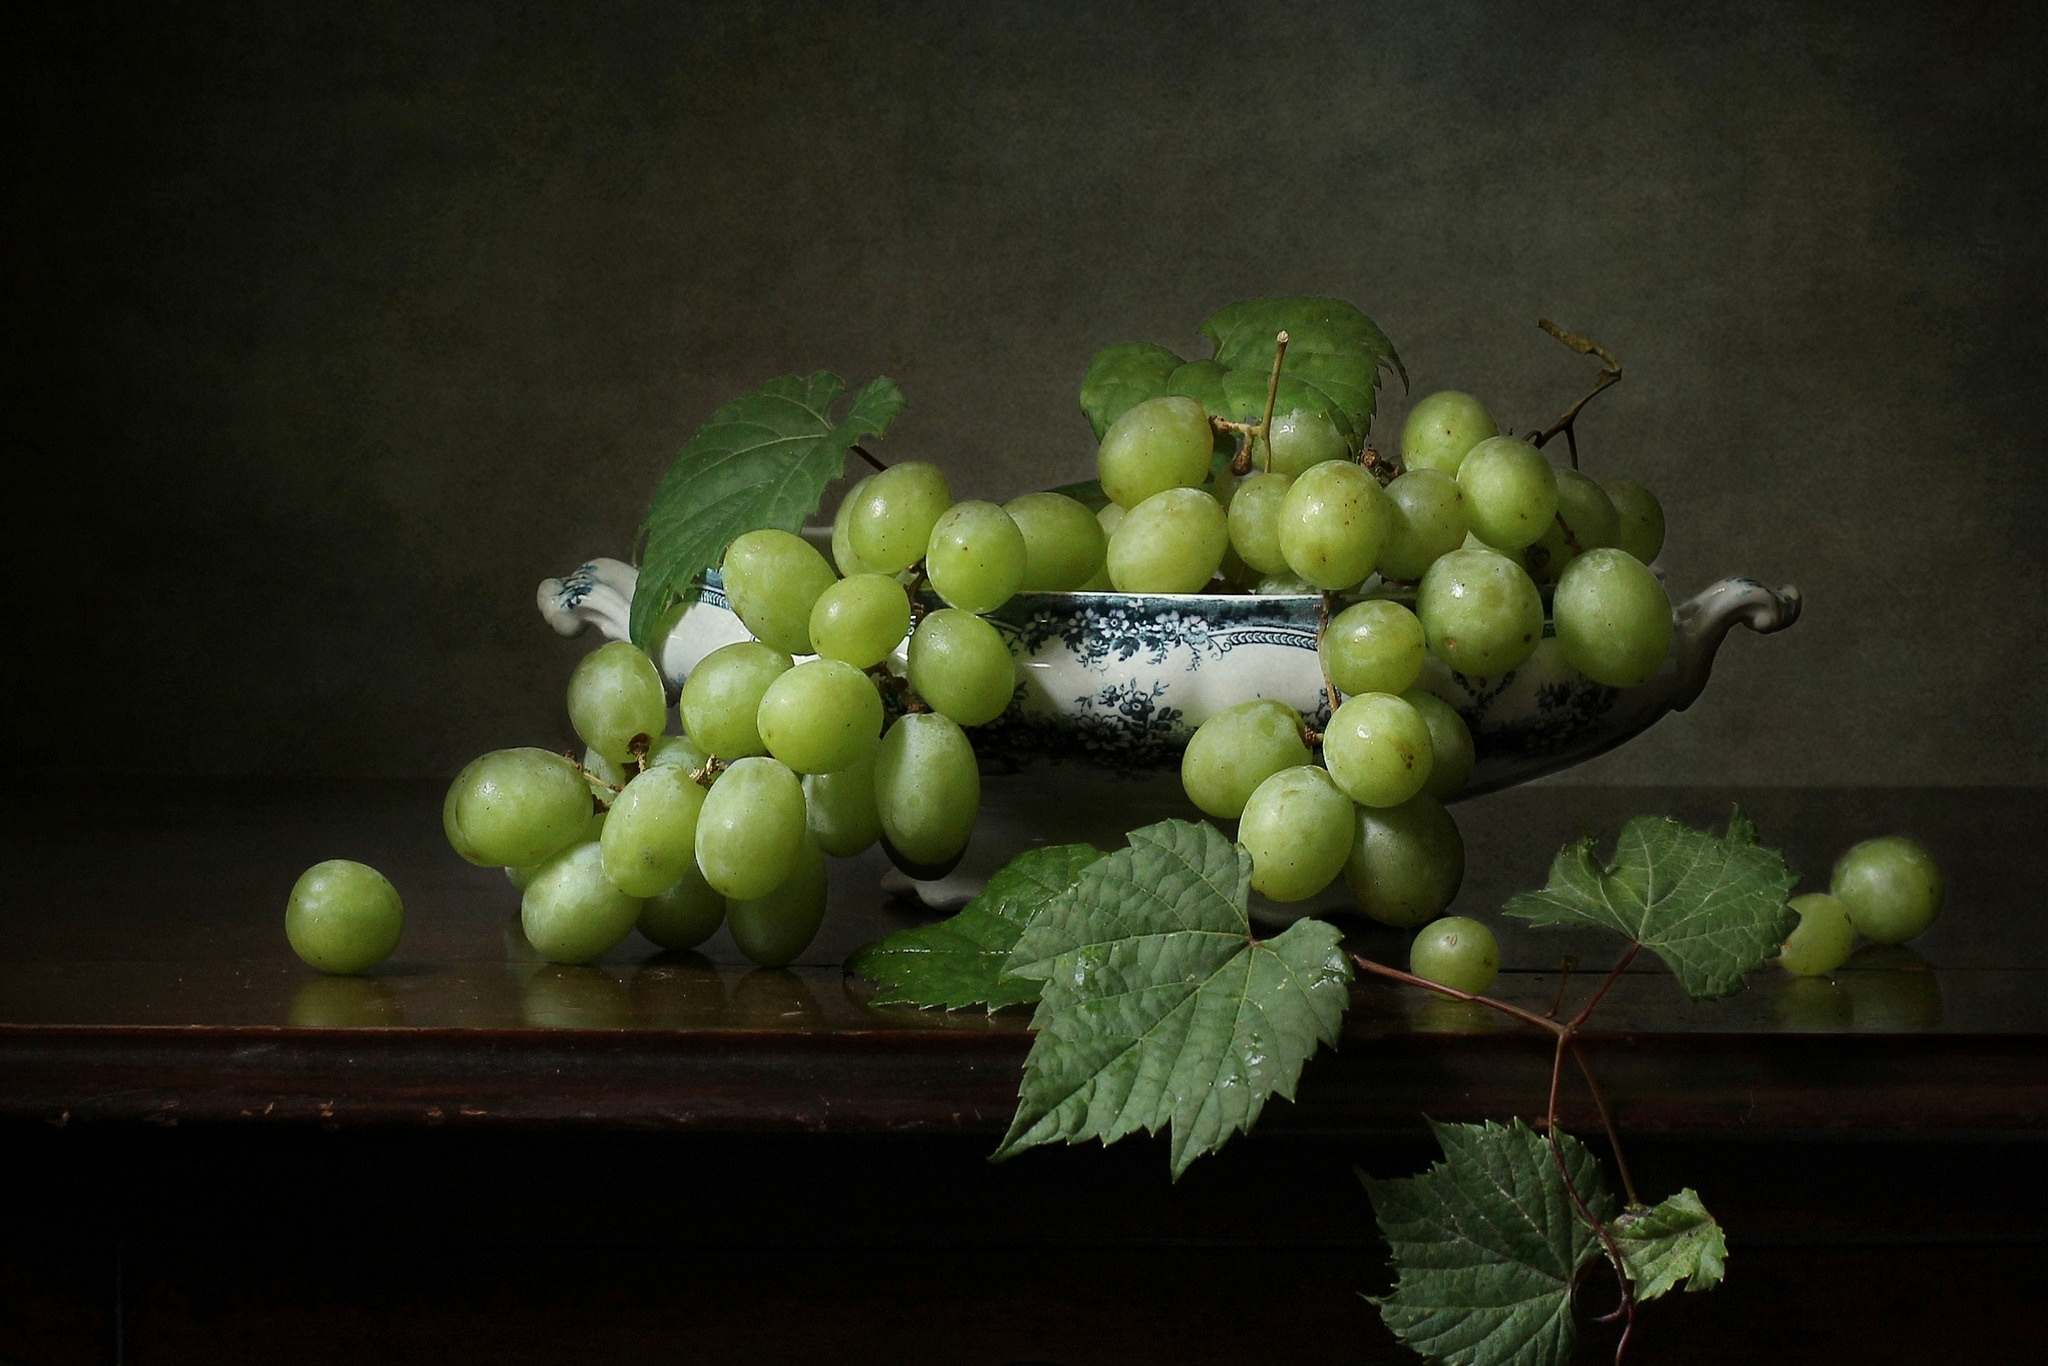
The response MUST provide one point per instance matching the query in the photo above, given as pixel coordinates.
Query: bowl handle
(1705, 620)
(598, 594)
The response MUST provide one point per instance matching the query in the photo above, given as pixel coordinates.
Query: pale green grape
(615, 694)
(516, 807)
(841, 807)
(1109, 516)
(1642, 519)
(1254, 521)
(1427, 520)
(1450, 744)
(343, 916)
(1441, 428)
(1585, 508)
(1170, 543)
(1480, 612)
(821, 716)
(892, 519)
(775, 928)
(609, 777)
(961, 667)
(1235, 750)
(1298, 440)
(650, 836)
(1373, 646)
(1823, 938)
(1064, 544)
(1457, 952)
(721, 701)
(1891, 886)
(976, 557)
(1162, 443)
(1406, 862)
(927, 790)
(1298, 829)
(772, 580)
(1333, 523)
(683, 914)
(751, 828)
(677, 751)
(572, 912)
(844, 556)
(1510, 492)
(1612, 618)
(861, 619)
(1378, 749)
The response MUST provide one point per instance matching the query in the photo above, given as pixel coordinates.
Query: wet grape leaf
(1713, 907)
(763, 460)
(1487, 1247)
(1676, 1241)
(958, 962)
(1159, 1006)
(1121, 377)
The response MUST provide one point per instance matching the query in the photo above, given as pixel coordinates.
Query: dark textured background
(338, 326)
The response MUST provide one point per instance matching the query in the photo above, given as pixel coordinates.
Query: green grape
(927, 790)
(1510, 492)
(1481, 613)
(821, 716)
(1583, 506)
(1457, 952)
(1378, 749)
(1284, 586)
(773, 929)
(1822, 939)
(1612, 618)
(976, 557)
(343, 916)
(651, 834)
(1170, 543)
(892, 520)
(841, 807)
(677, 751)
(1406, 862)
(523, 877)
(1891, 887)
(616, 695)
(751, 828)
(844, 555)
(1238, 748)
(572, 912)
(1441, 428)
(1160, 444)
(1332, 524)
(1373, 646)
(861, 619)
(772, 580)
(1109, 517)
(1298, 829)
(961, 667)
(1427, 520)
(683, 914)
(1064, 544)
(1254, 521)
(1450, 744)
(721, 701)
(1642, 519)
(516, 807)
(1298, 440)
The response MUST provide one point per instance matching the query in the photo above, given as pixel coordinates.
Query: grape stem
(1241, 461)
(1273, 391)
(1322, 625)
(1610, 374)
(707, 775)
(863, 453)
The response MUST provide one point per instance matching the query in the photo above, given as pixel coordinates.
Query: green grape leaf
(1160, 1008)
(1121, 377)
(958, 962)
(1202, 381)
(763, 460)
(1334, 352)
(1487, 1247)
(1245, 400)
(1712, 907)
(1676, 1241)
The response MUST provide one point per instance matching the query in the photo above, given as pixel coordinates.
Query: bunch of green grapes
(807, 741)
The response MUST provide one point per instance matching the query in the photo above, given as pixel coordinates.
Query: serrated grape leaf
(1676, 1241)
(763, 460)
(1202, 381)
(1334, 352)
(1712, 907)
(1121, 377)
(958, 962)
(1159, 1007)
(1486, 1246)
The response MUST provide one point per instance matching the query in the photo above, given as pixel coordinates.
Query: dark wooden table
(213, 1153)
